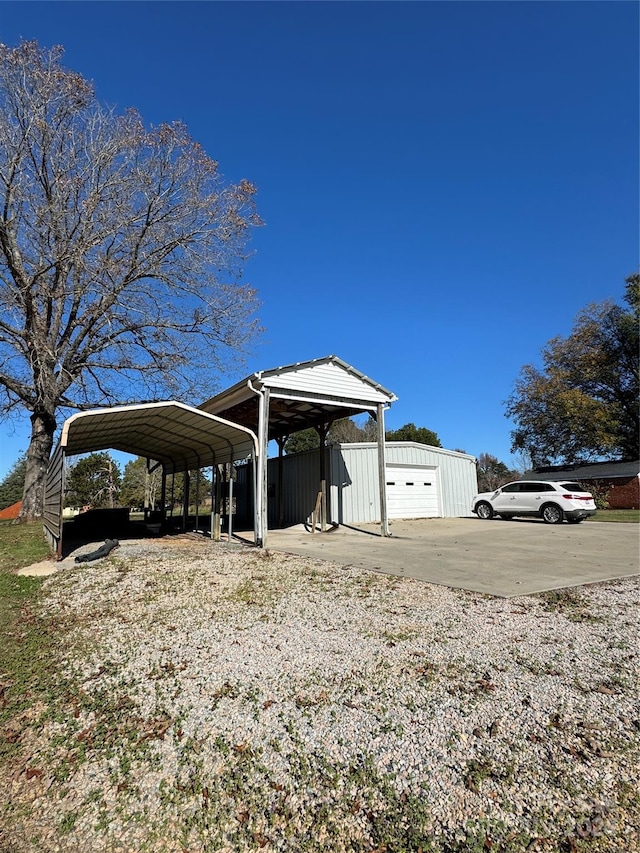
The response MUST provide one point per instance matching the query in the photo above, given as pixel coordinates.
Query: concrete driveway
(503, 558)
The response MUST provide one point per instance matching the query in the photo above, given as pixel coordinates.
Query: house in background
(621, 479)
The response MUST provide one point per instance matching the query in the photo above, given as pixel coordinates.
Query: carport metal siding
(300, 492)
(53, 498)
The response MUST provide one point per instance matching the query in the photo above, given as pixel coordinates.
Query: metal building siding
(301, 484)
(327, 379)
(354, 482)
(354, 494)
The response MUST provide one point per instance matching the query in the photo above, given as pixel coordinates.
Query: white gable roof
(326, 377)
(323, 380)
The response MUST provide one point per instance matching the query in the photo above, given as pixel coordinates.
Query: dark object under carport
(102, 551)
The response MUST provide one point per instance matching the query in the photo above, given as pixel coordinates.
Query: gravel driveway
(226, 699)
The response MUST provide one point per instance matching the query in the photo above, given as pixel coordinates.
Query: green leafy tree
(493, 473)
(343, 431)
(304, 439)
(347, 431)
(120, 255)
(410, 432)
(583, 403)
(93, 481)
(12, 486)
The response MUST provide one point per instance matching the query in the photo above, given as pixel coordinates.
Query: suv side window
(533, 487)
(512, 487)
(546, 487)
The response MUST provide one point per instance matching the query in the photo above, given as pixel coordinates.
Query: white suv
(553, 502)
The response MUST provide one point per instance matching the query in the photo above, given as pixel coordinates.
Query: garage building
(420, 482)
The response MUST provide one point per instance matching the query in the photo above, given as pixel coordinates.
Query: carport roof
(302, 395)
(180, 436)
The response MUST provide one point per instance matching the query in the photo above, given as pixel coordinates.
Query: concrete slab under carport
(501, 558)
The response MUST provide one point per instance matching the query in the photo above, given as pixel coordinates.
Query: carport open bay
(503, 558)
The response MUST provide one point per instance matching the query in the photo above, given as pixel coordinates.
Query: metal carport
(179, 437)
(281, 401)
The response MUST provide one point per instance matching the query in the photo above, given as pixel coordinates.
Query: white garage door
(412, 492)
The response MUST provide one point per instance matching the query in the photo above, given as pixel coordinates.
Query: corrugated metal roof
(585, 471)
(180, 436)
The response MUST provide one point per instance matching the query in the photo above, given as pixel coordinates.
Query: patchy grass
(570, 603)
(27, 669)
(629, 516)
(21, 545)
(28, 673)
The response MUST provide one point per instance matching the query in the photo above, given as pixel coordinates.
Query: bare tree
(120, 255)
(492, 473)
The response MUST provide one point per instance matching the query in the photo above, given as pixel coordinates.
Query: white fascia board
(344, 402)
(226, 399)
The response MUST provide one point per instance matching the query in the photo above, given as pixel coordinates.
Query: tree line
(97, 480)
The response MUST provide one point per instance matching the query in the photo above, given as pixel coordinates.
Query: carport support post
(281, 443)
(163, 495)
(213, 509)
(185, 499)
(147, 490)
(218, 501)
(262, 472)
(382, 474)
(197, 497)
(322, 434)
(230, 502)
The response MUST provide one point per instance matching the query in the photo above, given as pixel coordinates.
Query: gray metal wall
(352, 487)
(301, 483)
(53, 495)
(354, 478)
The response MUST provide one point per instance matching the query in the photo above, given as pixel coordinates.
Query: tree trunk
(43, 426)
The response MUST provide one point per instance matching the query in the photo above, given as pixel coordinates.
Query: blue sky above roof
(444, 185)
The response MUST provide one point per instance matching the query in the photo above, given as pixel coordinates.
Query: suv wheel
(552, 514)
(484, 510)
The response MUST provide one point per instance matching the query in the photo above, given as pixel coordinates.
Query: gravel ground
(227, 699)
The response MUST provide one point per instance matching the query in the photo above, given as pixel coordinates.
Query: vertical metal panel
(53, 497)
(244, 496)
(327, 379)
(353, 491)
(300, 485)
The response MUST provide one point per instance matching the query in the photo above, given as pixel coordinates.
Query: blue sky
(444, 184)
